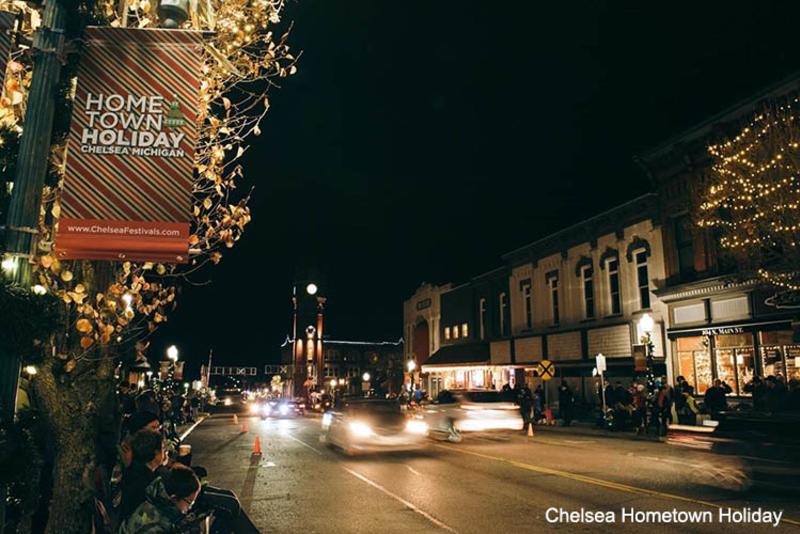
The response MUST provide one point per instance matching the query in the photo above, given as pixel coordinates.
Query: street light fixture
(30, 370)
(647, 326)
(312, 288)
(411, 366)
(333, 383)
(365, 377)
(172, 353)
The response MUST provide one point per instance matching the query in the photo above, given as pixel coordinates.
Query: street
(498, 483)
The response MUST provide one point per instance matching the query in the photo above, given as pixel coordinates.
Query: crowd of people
(642, 408)
(152, 487)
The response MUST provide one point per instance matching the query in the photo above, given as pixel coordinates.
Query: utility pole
(32, 161)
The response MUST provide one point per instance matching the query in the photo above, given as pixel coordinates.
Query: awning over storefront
(730, 328)
(459, 354)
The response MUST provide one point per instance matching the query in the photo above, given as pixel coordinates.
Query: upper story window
(447, 333)
(503, 305)
(684, 243)
(612, 268)
(642, 278)
(527, 302)
(465, 330)
(552, 284)
(455, 332)
(587, 281)
(482, 317)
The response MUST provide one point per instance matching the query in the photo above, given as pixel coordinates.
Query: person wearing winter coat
(169, 499)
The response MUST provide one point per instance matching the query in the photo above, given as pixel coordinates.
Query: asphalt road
(501, 483)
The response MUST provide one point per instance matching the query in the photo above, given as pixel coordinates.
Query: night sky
(420, 140)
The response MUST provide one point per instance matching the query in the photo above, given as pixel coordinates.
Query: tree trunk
(76, 406)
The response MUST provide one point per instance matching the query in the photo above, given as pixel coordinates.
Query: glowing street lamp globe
(411, 366)
(365, 377)
(311, 289)
(646, 324)
(172, 353)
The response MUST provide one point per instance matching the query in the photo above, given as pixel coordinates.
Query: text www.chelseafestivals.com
(123, 230)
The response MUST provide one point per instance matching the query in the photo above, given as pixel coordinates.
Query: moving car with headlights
(372, 425)
(457, 411)
(278, 408)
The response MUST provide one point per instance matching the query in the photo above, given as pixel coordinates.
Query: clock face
(311, 289)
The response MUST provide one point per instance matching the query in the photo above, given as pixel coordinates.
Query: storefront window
(694, 362)
(775, 349)
(735, 361)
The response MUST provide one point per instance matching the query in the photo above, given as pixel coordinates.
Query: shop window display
(694, 361)
(735, 361)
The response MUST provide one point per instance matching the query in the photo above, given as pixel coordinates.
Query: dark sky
(420, 140)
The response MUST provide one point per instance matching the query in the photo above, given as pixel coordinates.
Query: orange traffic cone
(244, 427)
(530, 429)
(257, 447)
(235, 419)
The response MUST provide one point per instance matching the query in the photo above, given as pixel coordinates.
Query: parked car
(457, 411)
(372, 425)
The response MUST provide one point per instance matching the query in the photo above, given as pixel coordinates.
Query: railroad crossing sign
(546, 370)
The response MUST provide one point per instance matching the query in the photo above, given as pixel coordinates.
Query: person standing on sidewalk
(565, 401)
(525, 402)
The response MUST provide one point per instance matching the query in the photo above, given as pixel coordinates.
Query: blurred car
(457, 411)
(230, 398)
(372, 425)
(767, 445)
(321, 402)
(278, 408)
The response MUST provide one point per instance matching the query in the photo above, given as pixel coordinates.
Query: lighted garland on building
(126, 302)
(752, 195)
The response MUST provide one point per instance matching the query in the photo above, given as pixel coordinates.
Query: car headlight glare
(266, 410)
(227, 401)
(284, 409)
(361, 430)
(254, 408)
(326, 420)
(415, 426)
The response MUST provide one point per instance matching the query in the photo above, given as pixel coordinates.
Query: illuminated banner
(7, 20)
(130, 160)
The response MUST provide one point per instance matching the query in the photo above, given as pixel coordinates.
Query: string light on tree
(750, 197)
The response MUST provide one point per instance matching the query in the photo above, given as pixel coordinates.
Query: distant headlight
(415, 426)
(254, 407)
(361, 430)
(284, 409)
(228, 401)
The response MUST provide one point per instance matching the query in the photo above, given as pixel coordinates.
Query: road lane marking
(414, 470)
(406, 503)
(595, 481)
(189, 430)
(377, 486)
(303, 443)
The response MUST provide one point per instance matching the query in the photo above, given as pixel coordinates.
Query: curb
(597, 433)
(191, 428)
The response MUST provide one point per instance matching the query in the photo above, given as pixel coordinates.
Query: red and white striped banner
(130, 160)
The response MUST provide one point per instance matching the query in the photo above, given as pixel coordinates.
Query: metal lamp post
(173, 13)
(646, 326)
(412, 365)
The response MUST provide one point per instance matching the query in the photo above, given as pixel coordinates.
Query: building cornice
(704, 288)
